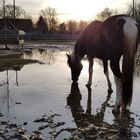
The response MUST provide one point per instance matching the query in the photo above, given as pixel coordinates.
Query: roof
(21, 24)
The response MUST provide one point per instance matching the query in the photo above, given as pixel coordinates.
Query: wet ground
(39, 101)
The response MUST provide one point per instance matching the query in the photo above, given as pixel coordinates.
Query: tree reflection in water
(42, 55)
(16, 65)
(5, 93)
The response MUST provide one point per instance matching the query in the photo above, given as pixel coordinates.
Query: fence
(11, 37)
(49, 37)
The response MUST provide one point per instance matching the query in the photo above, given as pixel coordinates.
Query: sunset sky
(72, 9)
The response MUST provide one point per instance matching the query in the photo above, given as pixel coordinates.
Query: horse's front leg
(90, 72)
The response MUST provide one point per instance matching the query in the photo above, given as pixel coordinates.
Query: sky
(71, 9)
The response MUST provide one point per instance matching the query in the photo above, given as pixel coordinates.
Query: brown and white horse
(109, 40)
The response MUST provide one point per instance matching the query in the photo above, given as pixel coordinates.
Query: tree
(2, 7)
(82, 25)
(72, 26)
(50, 16)
(9, 11)
(41, 25)
(62, 28)
(106, 13)
(2, 3)
(136, 11)
(19, 12)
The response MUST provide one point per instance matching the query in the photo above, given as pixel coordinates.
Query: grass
(15, 63)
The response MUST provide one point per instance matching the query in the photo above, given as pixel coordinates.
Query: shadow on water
(94, 126)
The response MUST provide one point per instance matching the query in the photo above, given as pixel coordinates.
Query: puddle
(39, 101)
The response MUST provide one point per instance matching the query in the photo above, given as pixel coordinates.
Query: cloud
(74, 8)
(31, 7)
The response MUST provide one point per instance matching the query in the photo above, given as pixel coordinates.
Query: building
(25, 25)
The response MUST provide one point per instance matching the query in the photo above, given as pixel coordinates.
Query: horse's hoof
(116, 111)
(109, 91)
(88, 85)
(126, 111)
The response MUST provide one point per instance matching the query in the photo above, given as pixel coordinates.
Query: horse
(109, 40)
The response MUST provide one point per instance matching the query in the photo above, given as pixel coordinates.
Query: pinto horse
(109, 40)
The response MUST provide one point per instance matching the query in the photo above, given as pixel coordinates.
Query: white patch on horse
(118, 91)
(130, 33)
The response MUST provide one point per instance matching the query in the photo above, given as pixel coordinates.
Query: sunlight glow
(79, 10)
(72, 9)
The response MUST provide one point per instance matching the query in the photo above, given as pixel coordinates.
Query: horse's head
(75, 66)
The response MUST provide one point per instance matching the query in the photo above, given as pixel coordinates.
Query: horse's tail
(130, 42)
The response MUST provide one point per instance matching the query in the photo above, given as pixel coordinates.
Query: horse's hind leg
(90, 71)
(117, 78)
(106, 72)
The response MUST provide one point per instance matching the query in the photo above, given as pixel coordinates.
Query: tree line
(52, 26)
(48, 21)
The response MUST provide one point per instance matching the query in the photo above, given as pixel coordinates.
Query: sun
(79, 9)
(76, 9)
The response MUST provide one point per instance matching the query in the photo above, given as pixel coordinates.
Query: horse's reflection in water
(84, 119)
(74, 101)
(81, 118)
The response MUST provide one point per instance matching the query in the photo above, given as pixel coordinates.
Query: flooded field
(39, 101)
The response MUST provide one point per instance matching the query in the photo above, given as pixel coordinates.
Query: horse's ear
(69, 59)
(68, 56)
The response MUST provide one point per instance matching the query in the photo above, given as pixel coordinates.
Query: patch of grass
(3, 49)
(9, 49)
(15, 63)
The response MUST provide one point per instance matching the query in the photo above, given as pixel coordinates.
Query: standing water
(39, 101)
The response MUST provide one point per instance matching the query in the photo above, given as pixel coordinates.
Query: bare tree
(105, 14)
(62, 28)
(136, 11)
(19, 12)
(72, 26)
(82, 25)
(2, 3)
(2, 8)
(50, 16)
